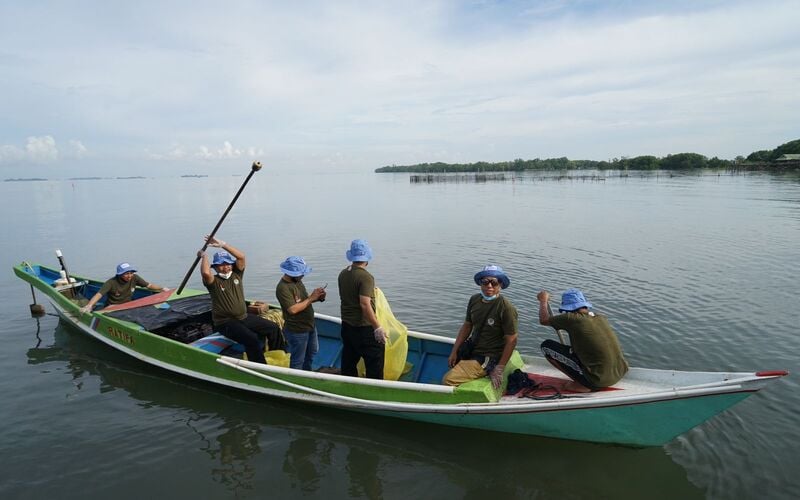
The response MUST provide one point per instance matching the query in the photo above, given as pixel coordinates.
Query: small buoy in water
(37, 310)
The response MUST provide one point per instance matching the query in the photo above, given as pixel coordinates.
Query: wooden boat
(647, 408)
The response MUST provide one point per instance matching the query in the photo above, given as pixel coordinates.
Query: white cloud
(41, 149)
(77, 149)
(226, 152)
(37, 150)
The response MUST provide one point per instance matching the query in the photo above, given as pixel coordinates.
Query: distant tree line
(680, 161)
(767, 155)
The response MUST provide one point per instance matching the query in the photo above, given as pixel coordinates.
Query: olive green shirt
(491, 329)
(119, 292)
(227, 298)
(595, 344)
(290, 293)
(353, 283)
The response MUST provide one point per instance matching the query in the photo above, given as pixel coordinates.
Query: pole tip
(256, 166)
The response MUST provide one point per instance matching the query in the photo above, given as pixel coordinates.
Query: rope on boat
(531, 393)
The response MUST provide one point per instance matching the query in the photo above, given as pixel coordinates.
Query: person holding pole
(253, 169)
(120, 288)
(594, 359)
(229, 309)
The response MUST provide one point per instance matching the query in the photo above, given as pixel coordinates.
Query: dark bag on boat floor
(189, 331)
(518, 381)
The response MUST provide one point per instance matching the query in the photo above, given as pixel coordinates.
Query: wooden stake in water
(36, 309)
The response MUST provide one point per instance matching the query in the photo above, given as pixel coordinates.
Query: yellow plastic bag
(394, 362)
(278, 358)
(275, 358)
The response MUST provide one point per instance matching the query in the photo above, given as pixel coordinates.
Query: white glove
(215, 242)
(85, 309)
(497, 375)
(380, 335)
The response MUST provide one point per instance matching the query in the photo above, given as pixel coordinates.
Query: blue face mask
(488, 297)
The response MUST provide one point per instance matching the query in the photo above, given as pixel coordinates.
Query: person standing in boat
(362, 335)
(298, 313)
(229, 309)
(120, 288)
(594, 359)
(491, 326)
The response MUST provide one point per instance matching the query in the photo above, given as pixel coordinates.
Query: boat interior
(188, 320)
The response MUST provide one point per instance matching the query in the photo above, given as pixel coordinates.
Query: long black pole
(255, 168)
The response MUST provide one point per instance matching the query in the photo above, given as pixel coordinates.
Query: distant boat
(194, 175)
(646, 408)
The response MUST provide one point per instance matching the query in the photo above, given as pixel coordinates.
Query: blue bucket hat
(572, 300)
(295, 266)
(494, 272)
(125, 268)
(359, 251)
(222, 257)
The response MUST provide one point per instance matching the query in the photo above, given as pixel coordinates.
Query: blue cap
(572, 300)
(125, 268)
(494, 272)
(295, 266)
(222, 257)
(359, 251)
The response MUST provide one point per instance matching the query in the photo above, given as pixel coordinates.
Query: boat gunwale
(576, 401)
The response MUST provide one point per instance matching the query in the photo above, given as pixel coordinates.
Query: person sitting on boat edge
(594, 359)
(298, 314)
(228, 307)
(362, 335)
(491, 326)
(120, 288)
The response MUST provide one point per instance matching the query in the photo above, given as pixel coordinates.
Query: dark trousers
(359, 342)
(564, 358)
(252, 332)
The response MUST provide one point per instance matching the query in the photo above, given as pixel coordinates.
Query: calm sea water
(695, 272)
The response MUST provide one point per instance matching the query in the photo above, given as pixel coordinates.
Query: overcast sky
(127, 87)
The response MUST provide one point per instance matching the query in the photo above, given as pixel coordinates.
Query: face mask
(489, 298)
(226, 275)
